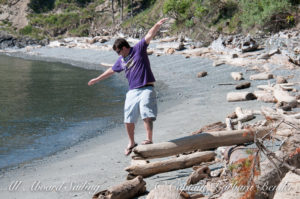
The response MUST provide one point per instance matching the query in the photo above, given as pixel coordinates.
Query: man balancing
(141, 97)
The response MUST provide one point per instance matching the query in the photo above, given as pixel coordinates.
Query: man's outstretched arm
(109, 72)
(152, 32)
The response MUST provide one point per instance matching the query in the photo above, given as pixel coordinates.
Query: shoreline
(189, 109)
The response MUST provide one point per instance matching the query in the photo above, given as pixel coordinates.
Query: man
(141, 97)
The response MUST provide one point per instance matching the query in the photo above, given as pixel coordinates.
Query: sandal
(128, 150)
(147, 142)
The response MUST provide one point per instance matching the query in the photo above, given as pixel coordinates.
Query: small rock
(202, 74)
(234, 55)
(170, 51)
(281, 80)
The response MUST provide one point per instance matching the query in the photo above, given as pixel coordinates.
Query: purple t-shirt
(136, 66)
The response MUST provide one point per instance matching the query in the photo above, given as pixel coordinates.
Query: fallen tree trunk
(182, 162)
(126, 190)
(240, 96)
(201, 141)
(199, 174)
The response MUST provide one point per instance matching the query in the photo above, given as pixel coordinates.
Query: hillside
(197, 19)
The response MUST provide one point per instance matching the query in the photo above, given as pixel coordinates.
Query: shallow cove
(46, 107)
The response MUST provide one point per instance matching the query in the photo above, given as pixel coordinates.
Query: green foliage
(259, 12)
(177, 9)
(39, 6)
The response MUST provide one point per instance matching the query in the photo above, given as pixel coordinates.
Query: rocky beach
(255, 77)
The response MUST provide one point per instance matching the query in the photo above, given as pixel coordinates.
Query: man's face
(120, 51)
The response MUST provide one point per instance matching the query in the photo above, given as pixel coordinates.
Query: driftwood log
(240, 96)
(126, 190)
(283, 96)
(265, 96)
(261, 76)
(181, 162)
(197, 175)
(201, 141)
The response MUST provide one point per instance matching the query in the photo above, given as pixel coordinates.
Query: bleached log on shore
(264, 96)
(276, 115)
(262, 76)
(240, 96)
(288, 188)
(201, 141)
(283, 96)
(164, 192)
(243, 116)
(181, 162)
(126, 190)
(237, 76)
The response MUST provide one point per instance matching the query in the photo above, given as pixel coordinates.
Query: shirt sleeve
(117, 67)
(142, 45)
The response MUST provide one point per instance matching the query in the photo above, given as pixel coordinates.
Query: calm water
(46, 107)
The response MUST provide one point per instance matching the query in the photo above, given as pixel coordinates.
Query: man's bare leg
(148, 124)
(130, 132)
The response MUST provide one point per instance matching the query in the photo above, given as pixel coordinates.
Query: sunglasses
(118, 51)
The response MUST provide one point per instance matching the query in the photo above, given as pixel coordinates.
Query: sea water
(46, 107)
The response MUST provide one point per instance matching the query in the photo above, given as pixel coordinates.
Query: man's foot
(128, 150)
(147, 142)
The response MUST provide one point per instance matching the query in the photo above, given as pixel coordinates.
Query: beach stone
(202, 74)
(243, 85)
(281, 80)
(170, 51)
(234, 55)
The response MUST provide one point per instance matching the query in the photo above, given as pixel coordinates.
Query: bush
(27, 30)
(260, 12)
(177, 9)
(39, 6)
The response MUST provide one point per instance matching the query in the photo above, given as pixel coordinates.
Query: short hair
(120, 43)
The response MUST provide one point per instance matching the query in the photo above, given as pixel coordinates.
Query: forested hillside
(199, 19)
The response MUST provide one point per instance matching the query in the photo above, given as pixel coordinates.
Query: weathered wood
(283, 96)
(243, 116)
(181, 162)
(264, 96)
(237, 76)
(201, 141)
(198, 175)
(240, 96)
(288, 188)
(243, 85)
(229, 125)
(164, 192)
(262, 76)
(126, 190)
(217, 126)
(202, 74)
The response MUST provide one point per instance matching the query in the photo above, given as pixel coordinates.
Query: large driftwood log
(164, 192)
(182, 162)
(201, 141)
(240, 96)
(126, 190)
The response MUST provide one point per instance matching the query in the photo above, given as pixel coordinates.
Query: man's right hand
(92, 81)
